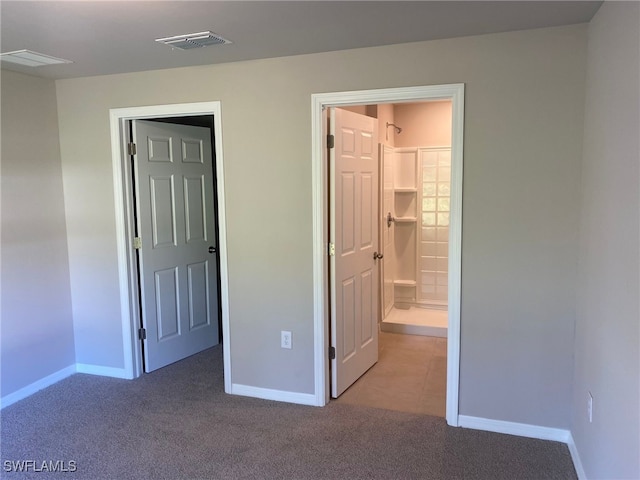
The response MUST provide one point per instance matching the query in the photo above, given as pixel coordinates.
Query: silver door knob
(212, 249)
(377, 256)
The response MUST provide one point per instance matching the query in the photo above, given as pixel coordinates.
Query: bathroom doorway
(326, 356)
(414, 211)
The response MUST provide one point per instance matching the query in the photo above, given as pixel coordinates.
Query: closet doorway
(125, 224)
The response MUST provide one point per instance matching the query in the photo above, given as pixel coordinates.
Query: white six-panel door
(354, 232)
(175, 216)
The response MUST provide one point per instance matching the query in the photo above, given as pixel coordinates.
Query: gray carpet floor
(177, 423)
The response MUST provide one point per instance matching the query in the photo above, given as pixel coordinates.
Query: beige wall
(523, 133)
(607, 355)
(386, 136)
(360, 109)
(426, 124)
(37, 327)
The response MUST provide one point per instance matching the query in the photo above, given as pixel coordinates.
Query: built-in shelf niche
(405, 169)
(405, 283)
(405, 187)
(406, 204)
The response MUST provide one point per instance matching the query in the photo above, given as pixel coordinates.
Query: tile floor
(410, 376)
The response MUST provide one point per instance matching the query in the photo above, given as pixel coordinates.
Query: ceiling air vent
(31, 59)
(194, 40)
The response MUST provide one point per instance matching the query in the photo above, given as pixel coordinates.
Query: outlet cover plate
(285, 339)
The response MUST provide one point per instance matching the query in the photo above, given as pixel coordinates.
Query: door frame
(123, 203)
(320, 186)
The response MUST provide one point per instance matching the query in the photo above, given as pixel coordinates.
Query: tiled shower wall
(435, 168)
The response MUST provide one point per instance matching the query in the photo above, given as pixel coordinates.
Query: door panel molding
(129, 312)
(353, 212)
(320, 184)
(169, 309)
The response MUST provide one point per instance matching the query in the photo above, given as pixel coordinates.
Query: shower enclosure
(417, 223)
(415, 207)
(415, 168)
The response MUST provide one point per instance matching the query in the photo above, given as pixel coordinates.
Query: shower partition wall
(405, 214)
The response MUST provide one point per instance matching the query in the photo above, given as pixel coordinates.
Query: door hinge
(137, 243)
(142, 333)
(332, 353)
(332, 249)
(131, 148)
(331, 141)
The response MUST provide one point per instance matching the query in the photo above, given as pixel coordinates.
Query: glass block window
(435, 205)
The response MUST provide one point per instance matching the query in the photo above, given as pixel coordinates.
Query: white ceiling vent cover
(31, 59)
(194, 40)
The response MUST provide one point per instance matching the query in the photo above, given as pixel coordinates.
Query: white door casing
(354, 232)
(176, 223)
(320, 185)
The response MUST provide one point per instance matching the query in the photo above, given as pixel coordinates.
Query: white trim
(128, 314)
(102, 371)
(529, 431)
(575, 456)
(455, 255)
(222, 247)
(455, 93)
(513, 428)
(277, 395)
(128, 308)
(320, 264)
(32, 388)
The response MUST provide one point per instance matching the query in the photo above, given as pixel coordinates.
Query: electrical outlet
(590, 406)
(285, 339)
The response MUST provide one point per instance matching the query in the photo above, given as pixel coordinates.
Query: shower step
(416, 321)
(424, 330)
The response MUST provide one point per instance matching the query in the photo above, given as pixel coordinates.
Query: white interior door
(176, 223)
(387, 229)
(354, 232)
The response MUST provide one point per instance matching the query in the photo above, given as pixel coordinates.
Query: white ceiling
(106, 37)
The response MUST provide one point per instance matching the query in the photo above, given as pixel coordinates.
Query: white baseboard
(575, 456)
(526, 430)
(269, 394)
(512, 428)
(32, 388)
(49, 380)
(102, 371)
